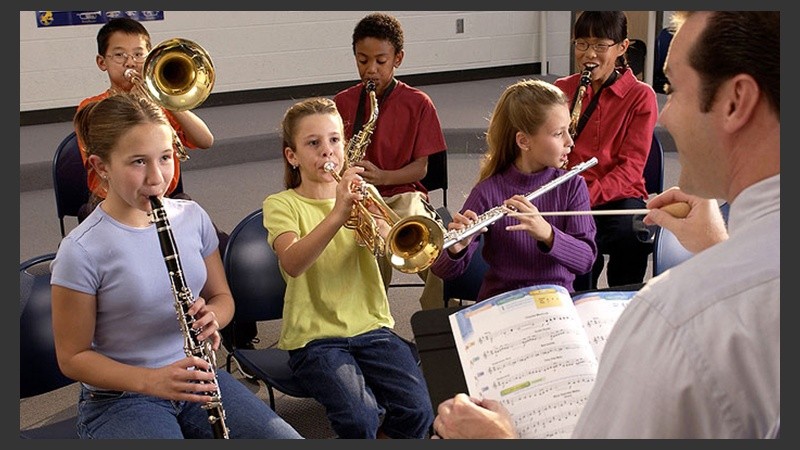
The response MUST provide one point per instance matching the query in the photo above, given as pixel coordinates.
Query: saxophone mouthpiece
(370, 85)
(329, 166)
(586, 74)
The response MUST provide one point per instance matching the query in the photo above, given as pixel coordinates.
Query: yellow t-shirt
(342, 293)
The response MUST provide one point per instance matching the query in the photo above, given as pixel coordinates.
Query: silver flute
(493, 215)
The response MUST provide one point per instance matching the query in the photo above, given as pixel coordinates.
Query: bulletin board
(46, 19)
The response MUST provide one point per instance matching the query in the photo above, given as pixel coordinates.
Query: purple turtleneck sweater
(516, 259)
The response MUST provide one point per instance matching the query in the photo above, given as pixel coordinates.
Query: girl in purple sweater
(527, 143)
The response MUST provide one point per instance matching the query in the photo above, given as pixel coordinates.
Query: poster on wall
(46, 19)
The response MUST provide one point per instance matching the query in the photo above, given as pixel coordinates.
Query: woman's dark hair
(611, 25)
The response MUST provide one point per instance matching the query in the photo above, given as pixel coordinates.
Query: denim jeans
(365, 382)
(130, 415)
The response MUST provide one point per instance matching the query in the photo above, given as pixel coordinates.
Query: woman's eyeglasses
(599, 48)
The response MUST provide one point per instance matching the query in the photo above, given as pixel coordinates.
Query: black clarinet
(192, 346)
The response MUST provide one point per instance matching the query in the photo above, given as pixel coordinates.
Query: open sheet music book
(536, 350)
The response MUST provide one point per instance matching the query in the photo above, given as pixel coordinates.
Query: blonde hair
(523, 106)
(291, 119)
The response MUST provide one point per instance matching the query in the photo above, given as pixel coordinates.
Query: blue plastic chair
(38, 366)
(654, 168)
(668, 252)
(254, 276)
(69, 179)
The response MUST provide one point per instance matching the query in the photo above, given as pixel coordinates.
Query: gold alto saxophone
(356, 147)
(586, 80)
(183, 301)
(362, 220)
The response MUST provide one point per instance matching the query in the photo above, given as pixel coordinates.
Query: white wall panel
(267, 49)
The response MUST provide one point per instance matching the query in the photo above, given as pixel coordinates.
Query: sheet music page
(599, 312)
(528, 349)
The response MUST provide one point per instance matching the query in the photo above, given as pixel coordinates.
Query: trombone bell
(178, 74)
(414, 243)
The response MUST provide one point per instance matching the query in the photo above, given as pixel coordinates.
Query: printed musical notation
(537, 352)
(600, 313)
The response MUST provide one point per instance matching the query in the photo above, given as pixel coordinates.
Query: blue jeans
(364, 379)
(130, 415)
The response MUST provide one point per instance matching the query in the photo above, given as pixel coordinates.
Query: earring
(295, 166)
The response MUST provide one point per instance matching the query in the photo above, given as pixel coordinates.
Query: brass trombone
(178, 75)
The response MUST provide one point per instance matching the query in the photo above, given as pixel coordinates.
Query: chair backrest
(467, 285)
(668, 252)
(436, 177)
(69, 179)
(654, 168)
(39, 371)
(253, 271)
(637, 51)
(662, 46)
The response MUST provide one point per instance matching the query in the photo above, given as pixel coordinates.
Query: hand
(205, 320)
(464, 417)
(348, 191)
(462, 221)
(703, 227)
(372, 174)
(187, 379)
(535, 225)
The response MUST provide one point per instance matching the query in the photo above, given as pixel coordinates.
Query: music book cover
(536, 349)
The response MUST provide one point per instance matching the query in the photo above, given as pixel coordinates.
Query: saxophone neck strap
(593, 104)
(362, 101)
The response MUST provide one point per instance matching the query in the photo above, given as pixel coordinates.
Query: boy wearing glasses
(618, 116)
(123, 44)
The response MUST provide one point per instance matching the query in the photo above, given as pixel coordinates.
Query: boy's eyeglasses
(122, 57)
(599, 48)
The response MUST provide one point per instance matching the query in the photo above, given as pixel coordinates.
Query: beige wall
(637, 24)
(266, 49)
